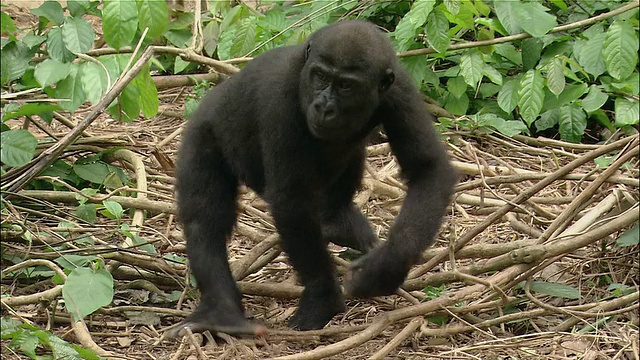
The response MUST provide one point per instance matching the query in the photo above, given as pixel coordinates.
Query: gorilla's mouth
(328, 133)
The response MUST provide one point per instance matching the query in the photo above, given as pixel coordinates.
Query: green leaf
(70, 261)
(127, 108)
(77, 35)
(6, 24)
(509, 52)
(78, 8)
(32, 40)
(589, 55)
(94, 172)
(452, 5)
(630, 237)
(245, 39)
(531, 51)
(418, 68)
(51, 71)
(87, 212)
(532, 17)
(457, 86)
(155, 15)
(70, 89)
(14, 60)
(492, 74)
(94, 81)
(56, 47)
(50, 10)
(508, 95)
(456, 105)
(548, 119)
(211, 35)
(555, 76)
(86, 291)
(620, 49)
(17, 147)
(626, 111)
(573, 121)
(555, 289)
(114, 208)
(531, 96)
(408, 26)
(506, 14)
(570, 94)
(594, 99)
(508, 128)
(29, 109)
(437, 31)
(149, 102)
(471, 65)
(181, 37)
(119, 22)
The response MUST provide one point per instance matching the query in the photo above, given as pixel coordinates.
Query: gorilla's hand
(378, 273)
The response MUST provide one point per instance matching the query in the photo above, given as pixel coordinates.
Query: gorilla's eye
(322, 77)
(344, 85)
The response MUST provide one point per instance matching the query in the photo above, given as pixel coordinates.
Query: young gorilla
(292, 125)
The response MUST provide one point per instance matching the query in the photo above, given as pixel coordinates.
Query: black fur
(292, 125)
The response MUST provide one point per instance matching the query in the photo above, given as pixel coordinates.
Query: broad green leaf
(26, 341)
(78, 8)
(417, 67)
(533, 18)
(32, 40)
(570, 94)
(620, 49)
(457, 86)
(509, 52)
(17, 147)
(51, 71)
(94, 81)
(437, 30)
(155, 15)
(211, 35)
(506, 14)
(548, 119)
(29, 109)
(626, 111)
(452, 5)
(87, 212)
(245, 39)
(179, 65)
(70, 91)
(508, 95)
(114, 208)
(50, 10)
(93, 172)
(148, 93)
(492, 74)
(555, 290)
(572, 123)
(590, 56)
(471, 67)
(77, 35)
(56, 47)
(508, 128)
(531, 96)
(630, 237)
(594, 99)
(555, 76)
(6, 24)
(119, 22)
(86, 291)
(14, 61)
(181, 37)
(456, 105)
(71, 261)
(126, 108)
(531, 51)
(412, 21)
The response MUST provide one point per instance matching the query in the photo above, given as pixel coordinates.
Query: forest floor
(537, 272)
(529, 263)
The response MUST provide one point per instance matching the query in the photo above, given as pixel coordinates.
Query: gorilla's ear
(307, 51)
(387, 80)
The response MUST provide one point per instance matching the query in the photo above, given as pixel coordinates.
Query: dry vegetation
(525, 210)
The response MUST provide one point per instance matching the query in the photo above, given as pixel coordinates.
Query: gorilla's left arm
(430, 178)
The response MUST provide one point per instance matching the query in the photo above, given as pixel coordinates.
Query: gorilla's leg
(343, 224)
(299, 227)
(207, 191)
